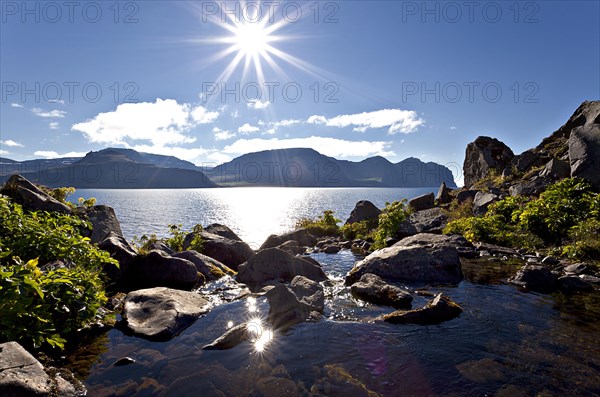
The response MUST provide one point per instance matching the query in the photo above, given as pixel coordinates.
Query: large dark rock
(104, 222)
(230, 339)
(584, 153)
(423, 202)
(302, 236)
(161, 313)
(482, 156)
(465, 195)
(526, 160)
(573, 284)
(222, 230)
(31, 197)
(364, 211)
(119, 249)
(443, 195)
(273, 264)
(294, 304)
(211, 268)
(230, 252)
(156, 269)
(433, 220)
(535, 278)
(372, 288)
(529, 188)
(435, 264)
(482, 201)
(438, 310)
(22, 375)
(429, 240)
(556, 169)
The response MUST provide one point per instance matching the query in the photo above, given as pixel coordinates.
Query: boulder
(222, 230)
(465, 195)
(211, 268)
(161, 313)
(527, 160)
(119, 249)
(438, 310)
(435, 240)
(288, 306)
(156, 269)
(556, 169)
(529, 188)
(423, 202)
(21, 374)
(331, 249)
(577, 268)
(573, 284)
(433, 220)
(230, 339)
(273, 264)
(443, 195)
(482, 201)
(364, 211)
(435, 264)
(230, 252)
(584, 153)
(535, 278)
(104, 222)
(292, 247)
(161, 246)
(302, 236)
(482, 156)
(31, 197)
(373, 289)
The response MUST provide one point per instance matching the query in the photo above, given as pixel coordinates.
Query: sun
(252, 39)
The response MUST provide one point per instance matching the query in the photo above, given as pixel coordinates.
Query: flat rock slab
(372, 288)
(438, 310)
(161, 313)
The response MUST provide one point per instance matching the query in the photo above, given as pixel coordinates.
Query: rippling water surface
(505, 343)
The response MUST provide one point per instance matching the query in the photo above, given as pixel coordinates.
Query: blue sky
(351, 79)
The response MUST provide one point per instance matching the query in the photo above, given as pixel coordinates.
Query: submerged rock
(438, 310)
(230, 339)
(535, 278)
(337, 381)
(295, 304)
(373, 289)
(364, 210)
(273, 264)
(161, 313)
(156, 269)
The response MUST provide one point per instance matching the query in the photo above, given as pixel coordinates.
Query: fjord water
(507, 342)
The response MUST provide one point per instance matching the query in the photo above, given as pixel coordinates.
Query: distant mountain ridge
(297, 167)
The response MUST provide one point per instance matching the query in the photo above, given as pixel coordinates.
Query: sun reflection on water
(261, 334)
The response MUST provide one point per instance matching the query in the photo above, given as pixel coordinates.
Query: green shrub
(324, 225)
(585, 240)
(355, 230)
(459, 211)
(389, 221)
(175, 242)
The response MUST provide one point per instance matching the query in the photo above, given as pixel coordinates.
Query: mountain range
(117, 168)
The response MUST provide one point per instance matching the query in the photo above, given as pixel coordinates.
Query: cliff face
(572, 150)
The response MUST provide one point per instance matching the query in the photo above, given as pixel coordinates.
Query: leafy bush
(459, 211)
(355, 230)
(175, 242)
(324, 225)
(389, 221)
(585, 240)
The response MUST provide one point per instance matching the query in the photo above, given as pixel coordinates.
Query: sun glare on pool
(261, 334)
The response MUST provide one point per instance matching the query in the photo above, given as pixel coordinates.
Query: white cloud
(50, 154)
(16, 105)
(164, 122)
(11, 143)
(3, 152)
(328, 146)
(285, 123)
(51, 114)
(452, 127)
(247, 129)
(235, 114)
(53, 125)
(221, 135)
(258, 104)
(61, 101)
(219, 158)
(397, 120)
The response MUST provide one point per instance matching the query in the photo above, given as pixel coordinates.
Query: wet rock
(331, 249)
(31, 197)
(443, 196)
(161, 313)
(496, 250)
(573, 284)
(433, 220)
(292, 247)
(230, 339)
(364, 211)
(584, 153)
(373, 289)
(222, 230)
(535, 278)
(211, 268)
(119, 249)
(556, 169)
(339, 382)
(21, 374)
(577, 268)
(229, 252)
(273, 264)
(410, 263)
(302, 236)
(438, 310)
(422, 202)
(482, 201)
(550, 260)
(482, 156)
(123, 361)
(292, 305)
(466, 195)
(156, 269)
(104, 222)
(275, 387)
